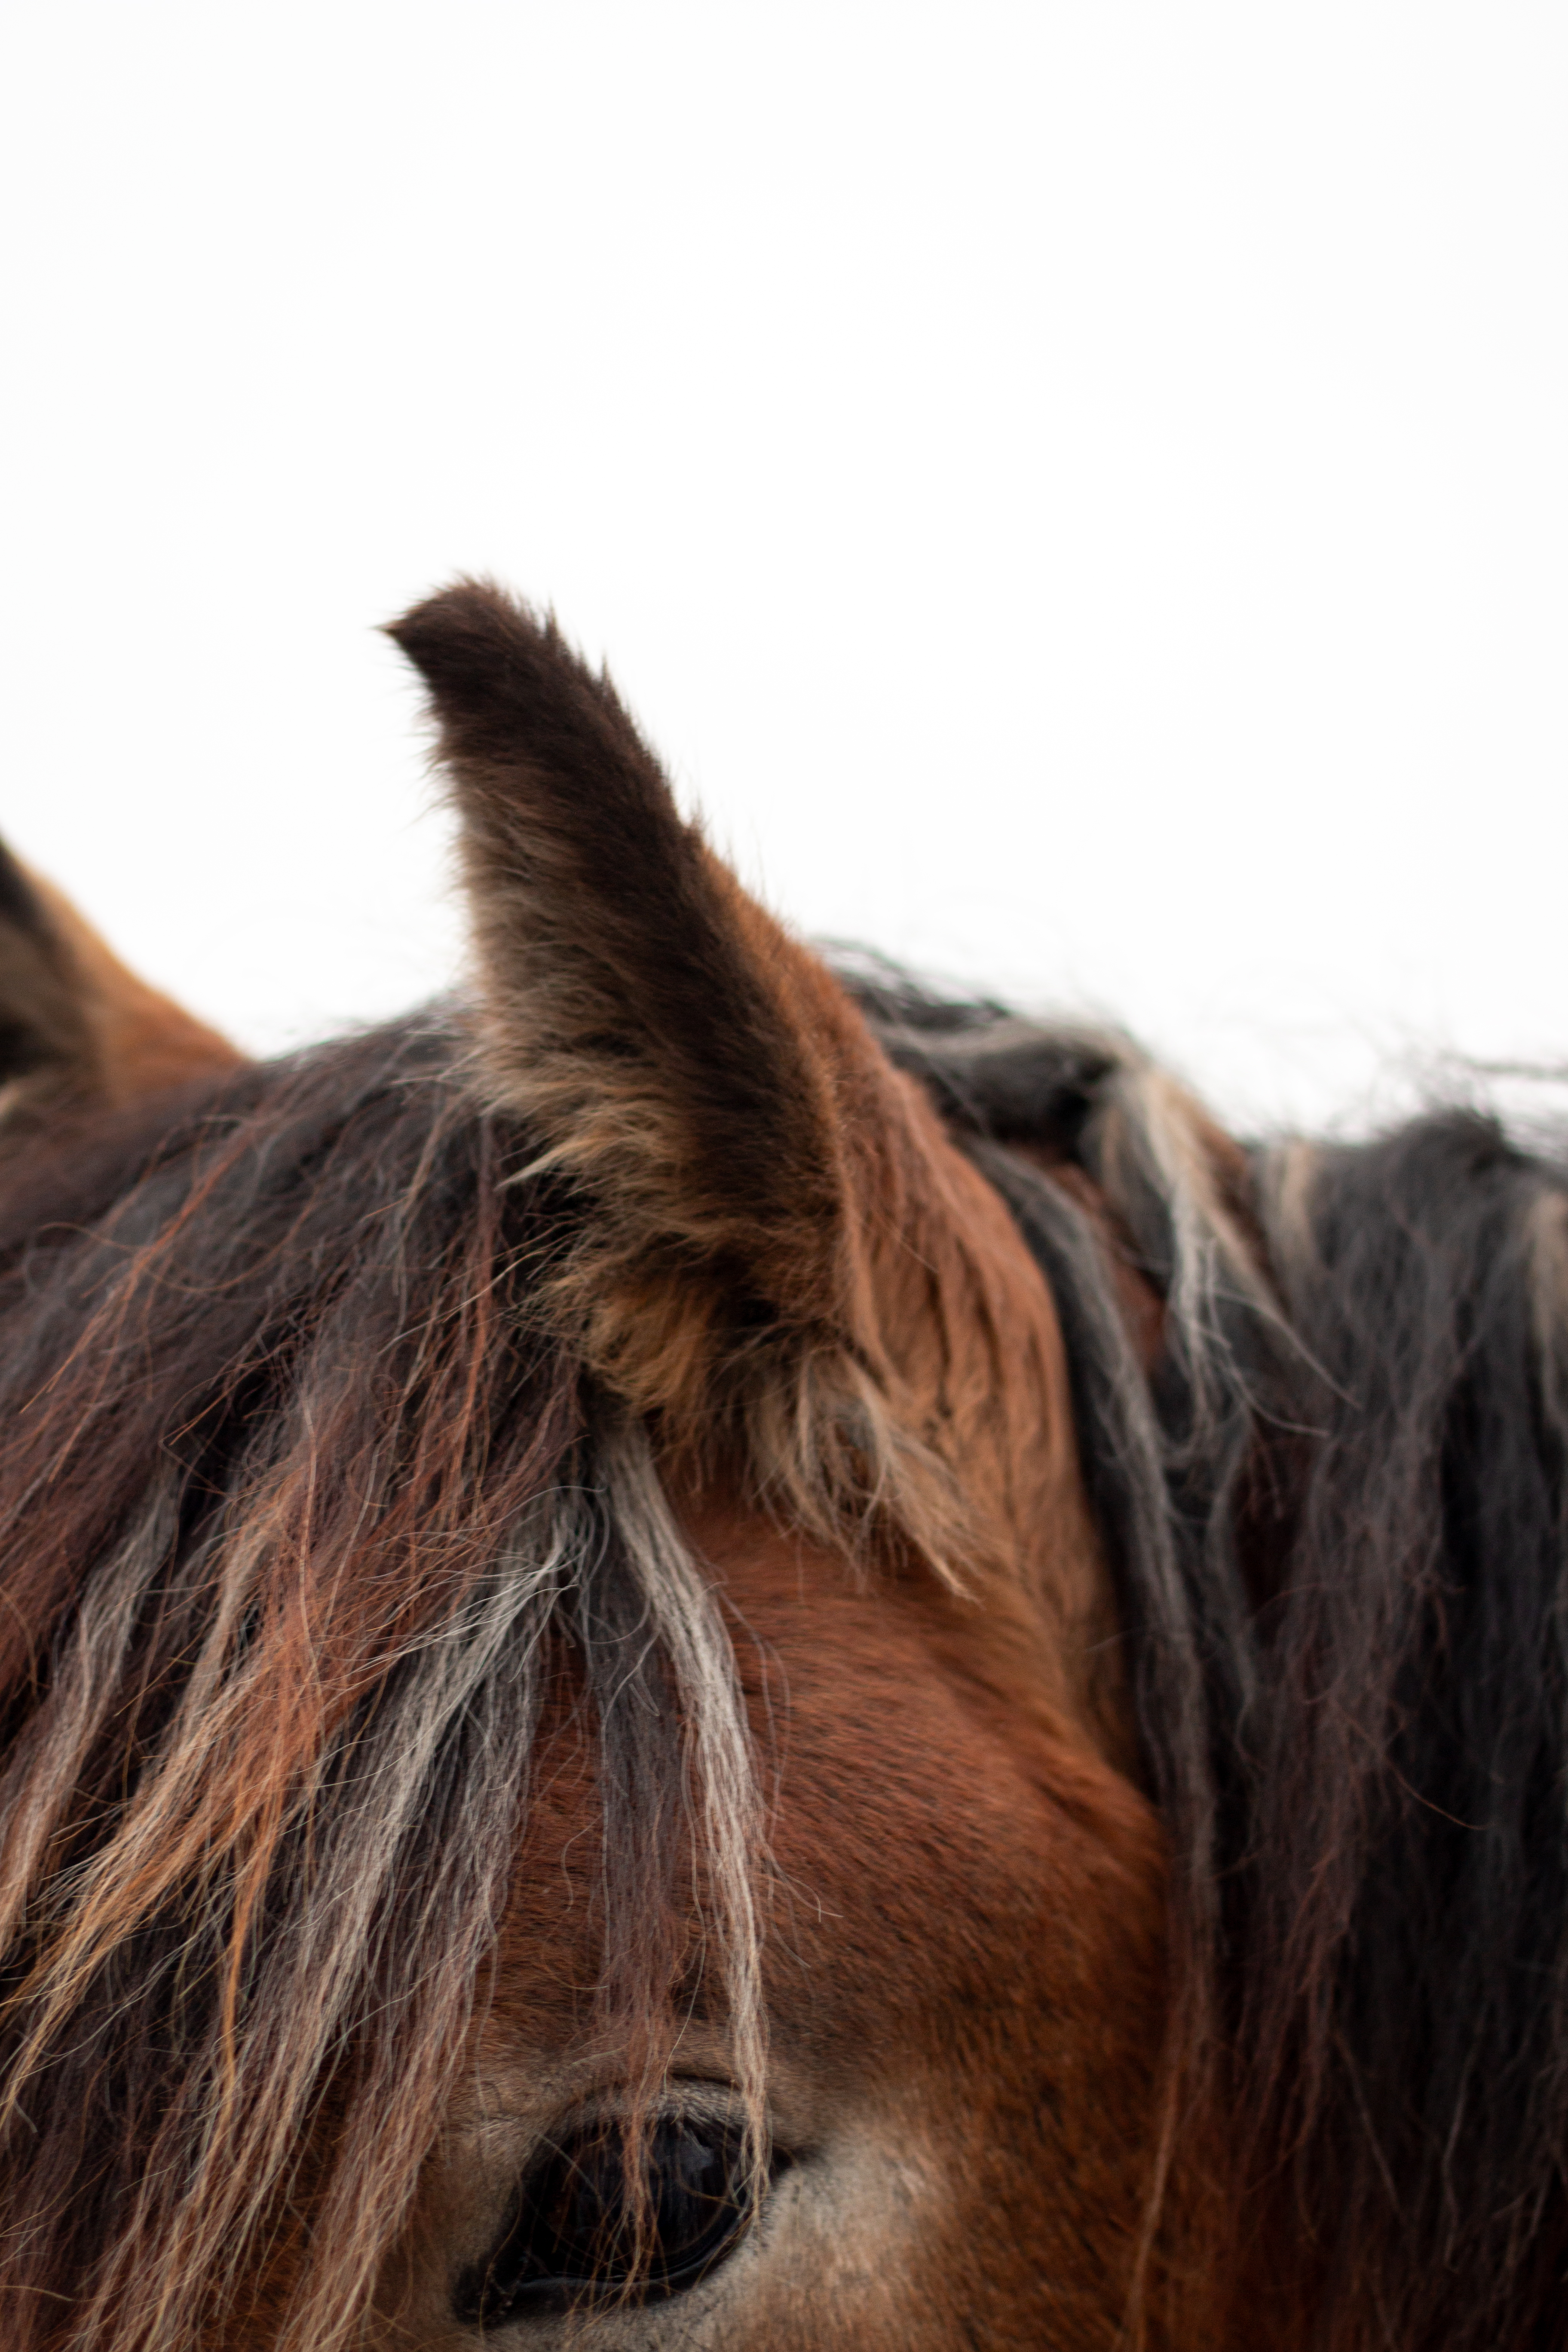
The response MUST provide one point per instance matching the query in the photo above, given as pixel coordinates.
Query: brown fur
(74, 1025)
(957, 1881)
(140, 1040)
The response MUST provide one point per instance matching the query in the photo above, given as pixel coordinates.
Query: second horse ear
(74, 1025)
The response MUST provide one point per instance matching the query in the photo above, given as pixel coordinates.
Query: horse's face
(961, 1970)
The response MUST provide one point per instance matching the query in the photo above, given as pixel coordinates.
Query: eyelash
(574, 2236)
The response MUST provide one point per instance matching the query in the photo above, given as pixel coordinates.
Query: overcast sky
(1077, 493)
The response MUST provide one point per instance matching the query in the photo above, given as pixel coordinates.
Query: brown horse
(703, 1653)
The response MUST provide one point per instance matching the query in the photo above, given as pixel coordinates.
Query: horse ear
(667, 1045)
(74, 1025)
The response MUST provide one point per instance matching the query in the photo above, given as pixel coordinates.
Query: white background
(1077, 490)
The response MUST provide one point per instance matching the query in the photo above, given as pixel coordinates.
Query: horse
(706, 1650)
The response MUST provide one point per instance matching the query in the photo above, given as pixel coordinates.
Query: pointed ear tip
(462, 606)
(469, 637)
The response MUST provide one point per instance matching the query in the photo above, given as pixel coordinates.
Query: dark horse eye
(575, 2235)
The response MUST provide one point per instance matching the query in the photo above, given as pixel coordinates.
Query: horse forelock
(304, 1514)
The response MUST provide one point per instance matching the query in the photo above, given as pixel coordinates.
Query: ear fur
(74, 1025)
(641, 1014)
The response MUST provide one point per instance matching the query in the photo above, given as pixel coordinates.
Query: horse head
(666, 1649)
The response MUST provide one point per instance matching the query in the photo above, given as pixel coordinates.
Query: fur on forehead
(776, 1243)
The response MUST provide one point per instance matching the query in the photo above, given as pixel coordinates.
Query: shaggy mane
(1338, 1513)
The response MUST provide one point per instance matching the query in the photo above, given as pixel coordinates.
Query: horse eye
(576, 2236)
